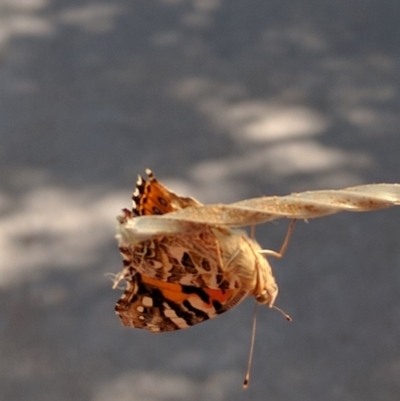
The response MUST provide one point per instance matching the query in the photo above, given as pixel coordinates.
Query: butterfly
(177, 279)
(184, 263)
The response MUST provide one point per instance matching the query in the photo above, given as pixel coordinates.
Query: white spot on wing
(153, 328)
(169, 313)
(147, 301)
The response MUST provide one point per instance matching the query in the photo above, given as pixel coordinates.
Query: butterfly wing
(153, 198)
(158, 306)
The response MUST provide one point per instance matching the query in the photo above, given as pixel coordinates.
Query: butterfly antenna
(283, 313)
(253, 338)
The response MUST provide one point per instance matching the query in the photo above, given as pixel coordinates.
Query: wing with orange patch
(158, 306)
(151, 198)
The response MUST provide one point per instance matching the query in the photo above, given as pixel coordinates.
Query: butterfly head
(266, 290)
(268, 295)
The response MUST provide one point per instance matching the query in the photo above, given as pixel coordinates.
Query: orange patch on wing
(171, 291)
(219, 295)
(153, 201)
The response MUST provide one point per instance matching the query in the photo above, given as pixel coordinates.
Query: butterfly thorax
(250, 267)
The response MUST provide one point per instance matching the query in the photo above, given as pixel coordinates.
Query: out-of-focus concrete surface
(224, 100)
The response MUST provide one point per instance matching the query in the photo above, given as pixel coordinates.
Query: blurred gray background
(224, 100)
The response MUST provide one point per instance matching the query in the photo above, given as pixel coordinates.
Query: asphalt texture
(224, 100)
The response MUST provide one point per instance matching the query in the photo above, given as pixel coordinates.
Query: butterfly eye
(263, 298)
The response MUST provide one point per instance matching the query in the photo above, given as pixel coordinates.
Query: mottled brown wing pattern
(159, 306)
(214, 258)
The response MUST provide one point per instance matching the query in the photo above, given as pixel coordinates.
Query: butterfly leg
(285, 244)
(231, 258)
(218, 253)
(141, 253)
